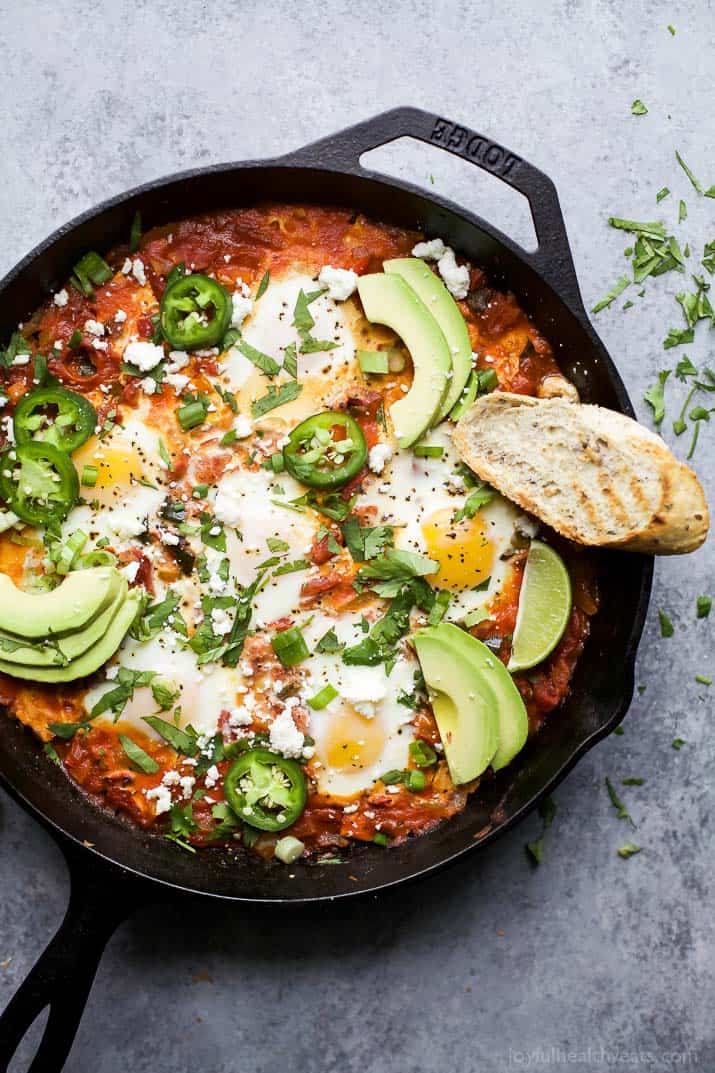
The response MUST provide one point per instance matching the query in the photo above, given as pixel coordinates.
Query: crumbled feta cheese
(341, 282)
(100, 344)
(130, 571)
(120, 316)
(21, 359)
(61, 298)
(138, 271)
(169, 538)
(212, 776)
(171, 778)
(379, 455)
(221, 621)
(243, 426)
(456, 277)
(58, 344)
(430, 251)
(111, 672)
(125, 524)
(187, 786)
(148, 385)
(162, 796)
(144, 355)
(176, 380)
(227, 508)
(177, 360)
(240, 717)
(364, 688)
(242, 307)
(349, 809)
(127, 266)
(94, 327)
(284, 735)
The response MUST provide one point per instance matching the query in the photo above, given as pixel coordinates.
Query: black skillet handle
(101, 898)
(552, 259)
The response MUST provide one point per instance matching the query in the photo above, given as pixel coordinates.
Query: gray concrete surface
(588, 961)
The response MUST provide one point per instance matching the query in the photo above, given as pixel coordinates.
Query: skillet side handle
(552, 259)
(101, 898)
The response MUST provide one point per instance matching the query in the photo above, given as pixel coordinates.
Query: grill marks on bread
(595, 476)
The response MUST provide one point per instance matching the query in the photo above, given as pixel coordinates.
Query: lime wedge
(544, 607)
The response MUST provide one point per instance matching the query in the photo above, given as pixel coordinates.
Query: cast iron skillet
(115, 868)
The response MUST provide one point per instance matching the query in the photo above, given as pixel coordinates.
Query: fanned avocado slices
(90, 660)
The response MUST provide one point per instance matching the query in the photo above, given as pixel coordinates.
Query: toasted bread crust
(595, 476)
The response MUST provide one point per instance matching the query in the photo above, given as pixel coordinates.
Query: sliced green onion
(380, 839)
(288, 849)
(89, 476)
(230, 437)
(428, 450)
(70, 551)
(323, 698)
(192, 414)
(135, 233)
(96, 558)
(373, 361)
(415, 780)
(487, 380)
(39, 370)
(422, 753)
(474, 617)
(199, 491)
(90, 269)
(290, 646)
(439, 608)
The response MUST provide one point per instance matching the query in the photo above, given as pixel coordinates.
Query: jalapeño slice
(326, 451)
(195, 312)
(56, 416)
(39, 482)
(266, 790)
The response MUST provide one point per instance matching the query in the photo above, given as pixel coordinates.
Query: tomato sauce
(244, 244)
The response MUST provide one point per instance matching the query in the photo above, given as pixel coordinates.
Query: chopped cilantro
(704, 604)
(629, 849)
(666, 626)
(617, 289)
(621, 810)
(677, 337)
(696, 183)
(276, 397)
(703, 680)
(638, 108)
(655, 396)
(547, 811)
(678, 743)
(387, 575)
(137, 755)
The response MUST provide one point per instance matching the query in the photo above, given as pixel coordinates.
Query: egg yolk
(463, 550)
(116, 465)
(352, 742)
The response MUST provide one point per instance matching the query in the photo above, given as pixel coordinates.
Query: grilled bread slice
(593, 475)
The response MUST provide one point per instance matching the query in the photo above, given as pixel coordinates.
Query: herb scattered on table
(547, 811)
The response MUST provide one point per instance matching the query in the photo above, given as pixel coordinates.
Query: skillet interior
(603, 683)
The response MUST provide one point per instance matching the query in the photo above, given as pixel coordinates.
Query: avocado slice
(513, 720)
(69, 607)
(389, 300)
(432, 291)
(89, 661)
(463, 702)
(58, 651)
